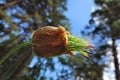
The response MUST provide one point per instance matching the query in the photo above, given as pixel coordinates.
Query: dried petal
(50, 41)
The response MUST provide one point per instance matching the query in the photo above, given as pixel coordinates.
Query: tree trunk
(116, 63)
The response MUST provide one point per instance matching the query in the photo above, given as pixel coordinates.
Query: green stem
(13, 50)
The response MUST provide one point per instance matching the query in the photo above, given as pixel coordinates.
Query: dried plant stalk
(52, 41)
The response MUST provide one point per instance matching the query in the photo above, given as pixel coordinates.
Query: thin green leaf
(13, 50)
(78, 44)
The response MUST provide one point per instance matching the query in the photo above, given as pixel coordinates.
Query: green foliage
(78, 44)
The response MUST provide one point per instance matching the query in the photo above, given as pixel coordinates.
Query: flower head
(51, 41)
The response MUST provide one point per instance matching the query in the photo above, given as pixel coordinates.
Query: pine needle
(78, 44)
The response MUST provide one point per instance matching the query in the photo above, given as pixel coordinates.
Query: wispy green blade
(13, 50)
(78, 44)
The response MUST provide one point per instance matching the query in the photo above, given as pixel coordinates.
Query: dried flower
(52, 41)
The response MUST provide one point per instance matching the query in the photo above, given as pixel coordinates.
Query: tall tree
(104, 25)
(18, 19)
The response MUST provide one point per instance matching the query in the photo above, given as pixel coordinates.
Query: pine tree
(105, 25)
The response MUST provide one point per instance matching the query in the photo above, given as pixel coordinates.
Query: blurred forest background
(19, 18)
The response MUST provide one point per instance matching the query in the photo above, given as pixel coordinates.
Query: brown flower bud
(50, 41)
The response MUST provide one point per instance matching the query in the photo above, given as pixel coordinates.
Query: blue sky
(79, 14)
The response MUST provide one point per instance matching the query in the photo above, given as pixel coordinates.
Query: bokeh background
(95, 20)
